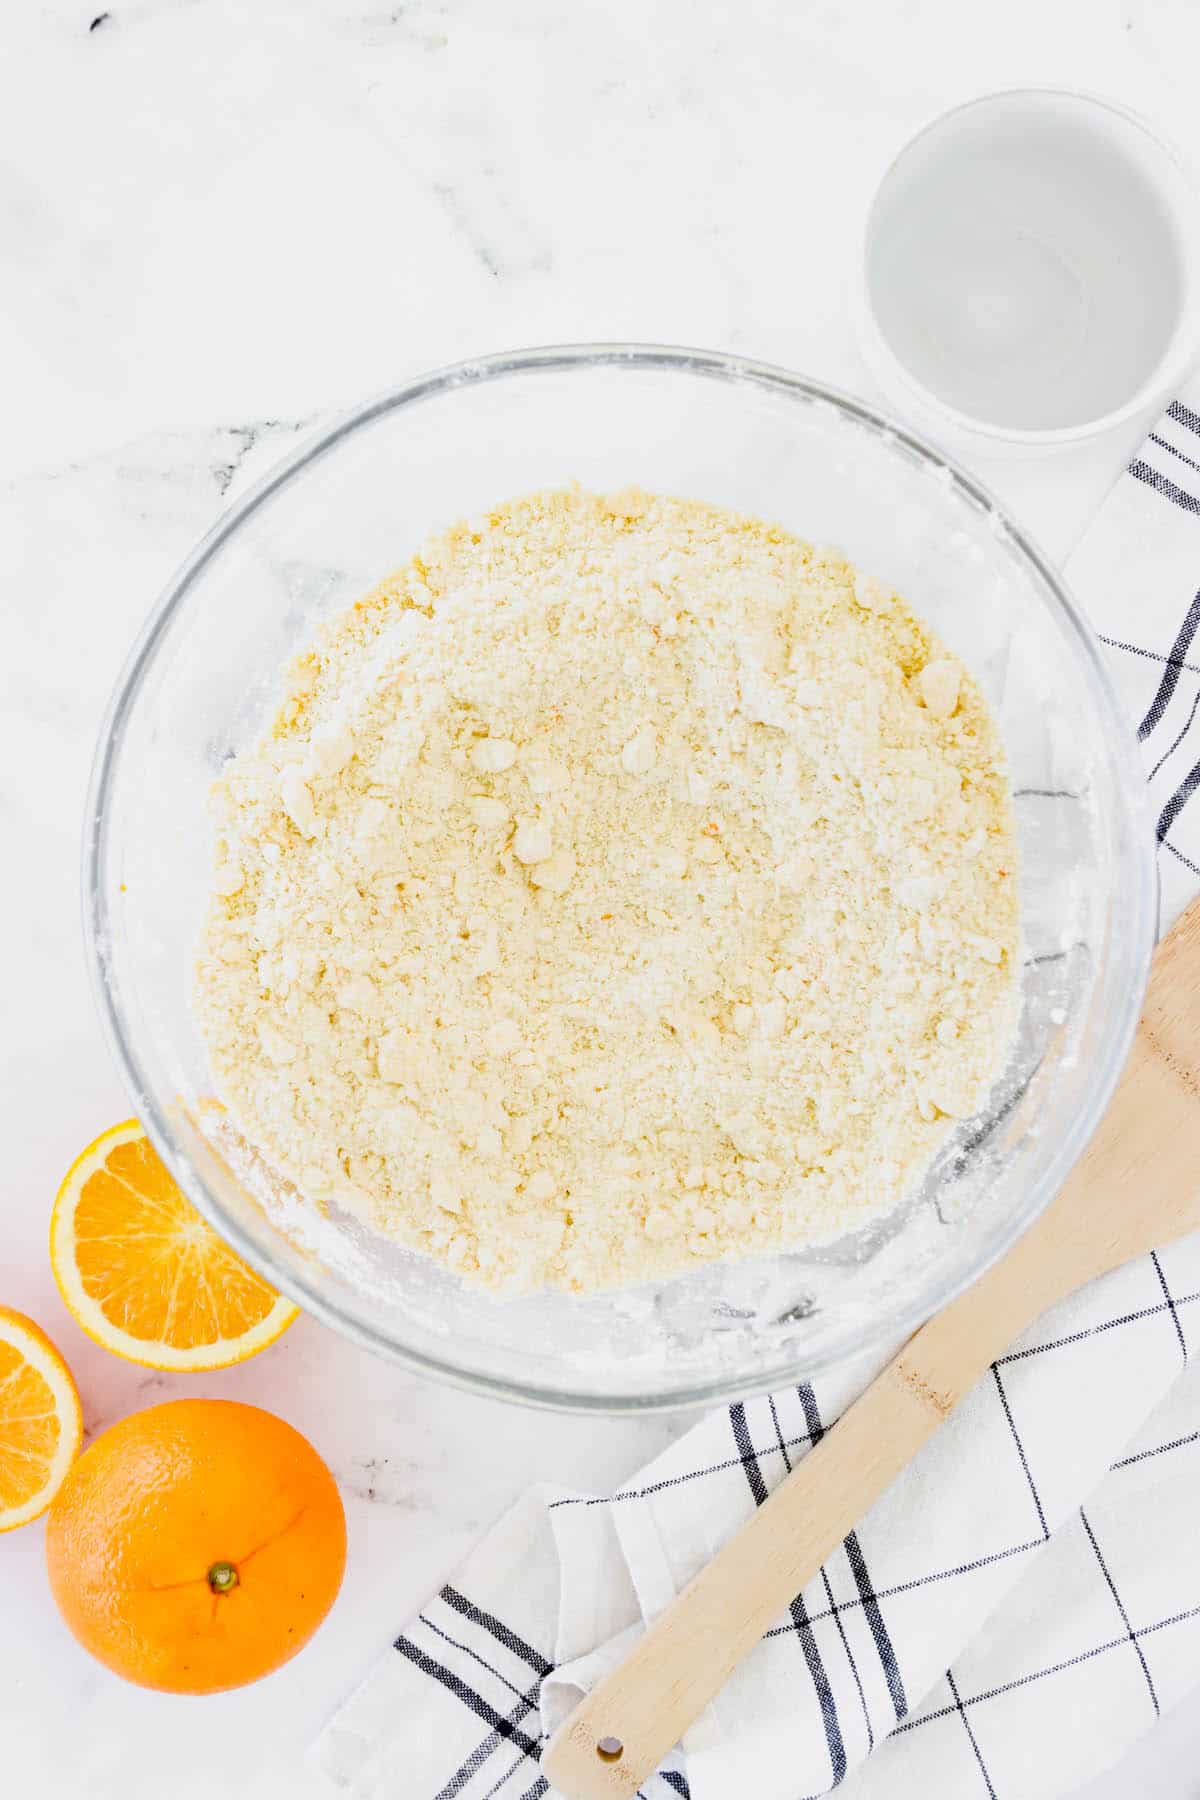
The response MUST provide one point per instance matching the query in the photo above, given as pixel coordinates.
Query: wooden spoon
(1136, 1188)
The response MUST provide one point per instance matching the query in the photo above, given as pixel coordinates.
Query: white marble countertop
(221, 219)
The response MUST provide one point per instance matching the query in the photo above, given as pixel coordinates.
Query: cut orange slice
(144, 1274)
(41, 1425)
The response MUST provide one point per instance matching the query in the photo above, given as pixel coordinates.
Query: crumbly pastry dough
(623, 885)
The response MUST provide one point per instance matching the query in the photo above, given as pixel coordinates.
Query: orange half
(41, 1425)
(144, 1274)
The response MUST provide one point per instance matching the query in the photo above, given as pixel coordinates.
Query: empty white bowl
(1030, 270)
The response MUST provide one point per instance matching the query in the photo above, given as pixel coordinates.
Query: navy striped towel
(982, 1632)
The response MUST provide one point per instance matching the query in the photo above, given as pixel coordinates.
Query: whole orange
(197, 1545)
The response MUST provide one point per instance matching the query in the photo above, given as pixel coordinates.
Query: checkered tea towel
(1023, 1602)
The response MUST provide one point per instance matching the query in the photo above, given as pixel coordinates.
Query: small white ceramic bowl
(1030, 271)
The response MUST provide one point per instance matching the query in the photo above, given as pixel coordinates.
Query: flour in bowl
(624, 885)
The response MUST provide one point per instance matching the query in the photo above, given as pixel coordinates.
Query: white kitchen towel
(1023, 1602)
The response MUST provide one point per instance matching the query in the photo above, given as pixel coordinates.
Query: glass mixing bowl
(320, 530)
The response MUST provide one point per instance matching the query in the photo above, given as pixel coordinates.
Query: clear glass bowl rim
(295, 1281)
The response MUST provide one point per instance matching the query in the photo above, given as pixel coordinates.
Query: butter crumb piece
(641, 752)
(297, 799)
(938, 684)
(556, 873)
(329, 752)
(532, 843)
(491, 756)
(772, 1018)
(871, 594)
(444, 1195)
(488, 1141)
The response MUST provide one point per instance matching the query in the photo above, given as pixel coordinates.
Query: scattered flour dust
(623, 885)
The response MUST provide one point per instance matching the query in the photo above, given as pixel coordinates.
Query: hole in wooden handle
(610, 1749)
